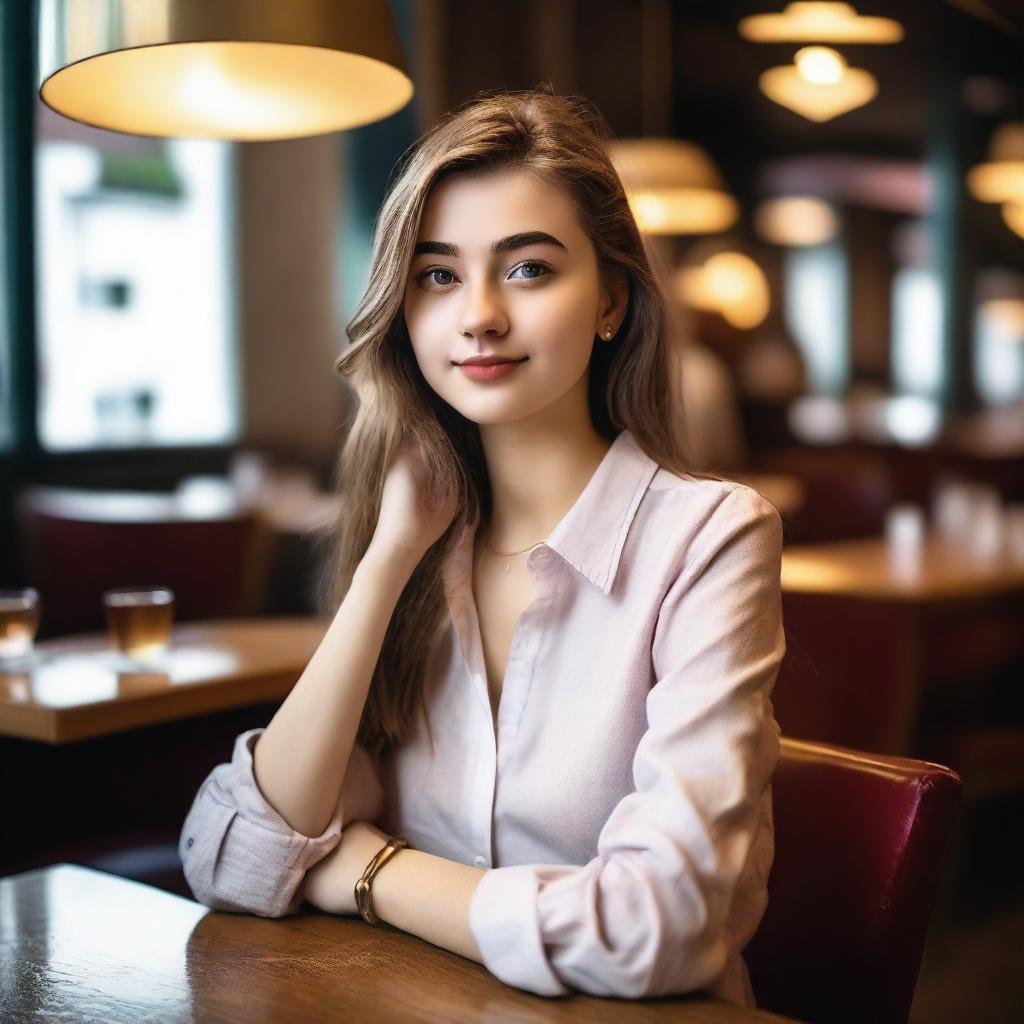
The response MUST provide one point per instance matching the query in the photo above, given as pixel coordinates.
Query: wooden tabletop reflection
(78, 688)
(870, 568)
(80, 945)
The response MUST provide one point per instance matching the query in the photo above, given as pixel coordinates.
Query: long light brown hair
(562, 140)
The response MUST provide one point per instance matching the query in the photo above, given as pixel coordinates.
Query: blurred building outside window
(917, 332)
(998, 358)
(136, 293)
(816, 312)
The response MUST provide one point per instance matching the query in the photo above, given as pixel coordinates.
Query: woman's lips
(494, 371)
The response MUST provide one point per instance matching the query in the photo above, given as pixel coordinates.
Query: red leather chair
(859, 850)
(78, 543)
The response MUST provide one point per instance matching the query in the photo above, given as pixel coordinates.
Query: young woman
(551, 648)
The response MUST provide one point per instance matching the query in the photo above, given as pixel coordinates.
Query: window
(816, 297)
(999, 352)
(134, 264)
(917, 361)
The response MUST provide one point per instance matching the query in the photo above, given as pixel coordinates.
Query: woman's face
(501, 267)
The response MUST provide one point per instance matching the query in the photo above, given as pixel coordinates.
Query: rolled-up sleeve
(239, 854)
(649, 914)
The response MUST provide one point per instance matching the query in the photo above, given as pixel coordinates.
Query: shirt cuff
(504, 921)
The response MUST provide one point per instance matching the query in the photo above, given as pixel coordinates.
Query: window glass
(816, 300)
(999, 352)
(135, 291)
(916, 332)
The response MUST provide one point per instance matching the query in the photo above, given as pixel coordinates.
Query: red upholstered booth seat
(859, 850)
(79, 543)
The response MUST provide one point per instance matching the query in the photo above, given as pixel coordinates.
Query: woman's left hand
(330, 884)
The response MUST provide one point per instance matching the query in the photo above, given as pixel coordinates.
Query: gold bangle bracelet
(383, 855)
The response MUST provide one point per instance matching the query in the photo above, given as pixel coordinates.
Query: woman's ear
(614, 300)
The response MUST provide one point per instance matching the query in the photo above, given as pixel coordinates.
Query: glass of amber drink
(19, 622)
(139, 621)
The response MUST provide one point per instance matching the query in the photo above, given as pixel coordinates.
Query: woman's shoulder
(698, 498)
(689, 517)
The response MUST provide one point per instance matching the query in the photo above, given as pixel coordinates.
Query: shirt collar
(591, 535)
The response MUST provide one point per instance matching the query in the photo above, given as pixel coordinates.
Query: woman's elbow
(696, 963)
(668, 961)
(214, 889)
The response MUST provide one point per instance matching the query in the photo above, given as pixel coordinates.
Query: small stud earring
(607, 332)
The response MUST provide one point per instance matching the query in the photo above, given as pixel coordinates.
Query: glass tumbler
(139, 621)
(19, 623)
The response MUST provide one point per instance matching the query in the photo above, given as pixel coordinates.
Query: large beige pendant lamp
(226, 69)
(673, 186)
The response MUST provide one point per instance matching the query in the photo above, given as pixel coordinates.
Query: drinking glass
(19, 623)
(139, 621)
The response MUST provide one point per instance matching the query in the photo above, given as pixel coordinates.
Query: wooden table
(79, 689)
(887, 653)
(80, 945)
(867, 568)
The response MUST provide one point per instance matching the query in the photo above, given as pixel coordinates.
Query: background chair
(859, 851)
(846, 492)
(79, 543)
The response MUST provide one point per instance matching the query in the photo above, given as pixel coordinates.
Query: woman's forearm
(301, 758)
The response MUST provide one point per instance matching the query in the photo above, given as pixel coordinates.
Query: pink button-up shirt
(621, 801)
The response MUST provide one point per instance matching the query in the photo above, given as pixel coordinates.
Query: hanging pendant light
(721, 279)
(823, 22)
(673, 186)
(226, 69)
(796, 221)
(1000, 179)
(819, 84)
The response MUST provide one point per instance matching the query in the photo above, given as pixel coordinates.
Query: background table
(98, 764)
(80, 945)
(78, 689)
(902, 657)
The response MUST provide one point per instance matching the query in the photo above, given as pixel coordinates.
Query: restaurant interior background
(854, 285)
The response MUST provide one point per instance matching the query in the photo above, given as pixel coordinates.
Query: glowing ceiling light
(673, 186)
(1000, 179)
(796, 220)
(729, 283)
(229, 70)
(820, 85)
(820, 65)
(820, 23)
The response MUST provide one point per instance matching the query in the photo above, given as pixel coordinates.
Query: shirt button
(190, 842)
(479, 861)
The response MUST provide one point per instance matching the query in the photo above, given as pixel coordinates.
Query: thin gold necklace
(508, 554)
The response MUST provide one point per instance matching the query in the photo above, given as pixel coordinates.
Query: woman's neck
(536, 476)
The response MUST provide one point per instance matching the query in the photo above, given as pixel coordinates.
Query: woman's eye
(428, 276)
(539, 267)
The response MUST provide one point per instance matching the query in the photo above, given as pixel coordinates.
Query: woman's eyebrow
(507, 244)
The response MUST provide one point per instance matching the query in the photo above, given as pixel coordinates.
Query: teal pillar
(948, 158)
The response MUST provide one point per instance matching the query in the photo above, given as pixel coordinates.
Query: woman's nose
(482, 312)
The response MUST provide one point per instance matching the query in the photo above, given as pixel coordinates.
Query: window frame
(150, 467)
